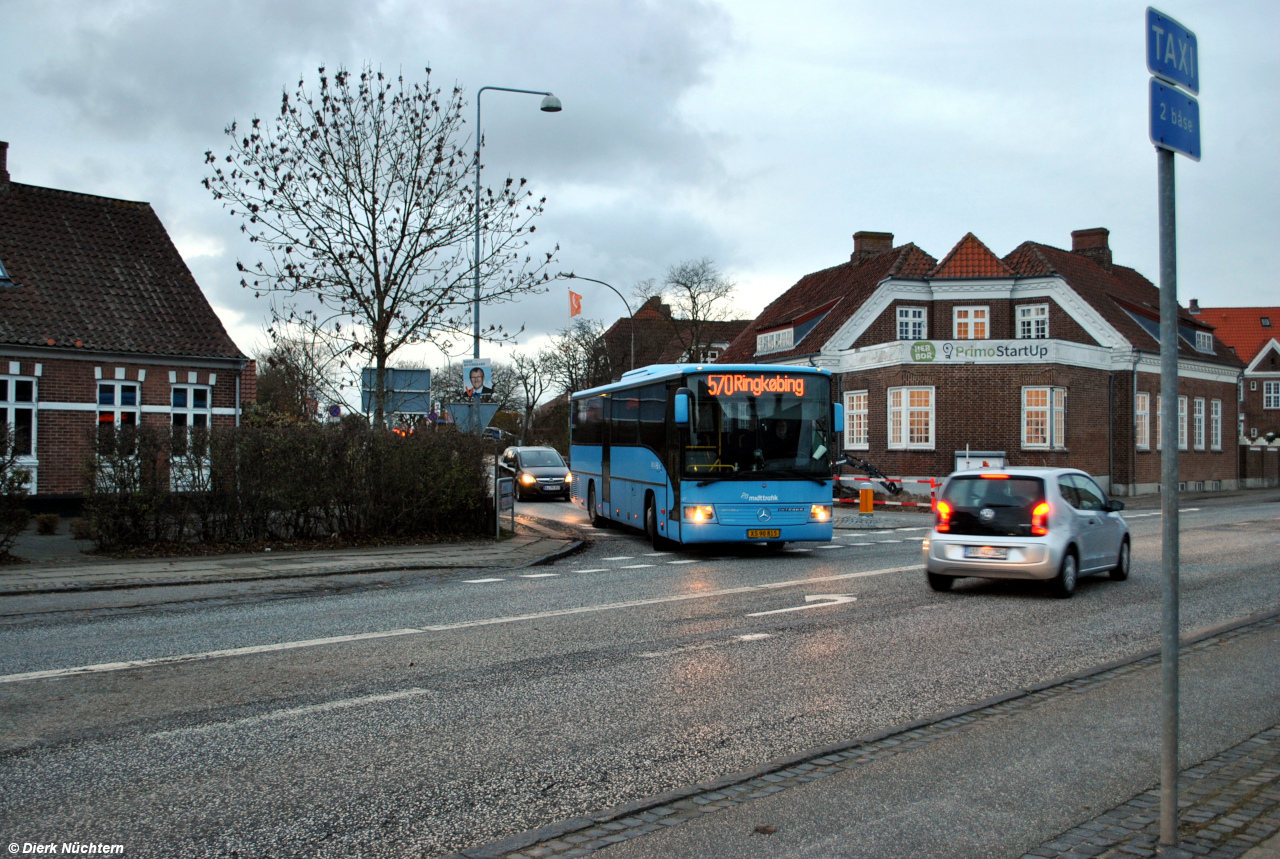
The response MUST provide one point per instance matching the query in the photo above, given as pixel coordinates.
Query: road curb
(301, 574)
(631, 809)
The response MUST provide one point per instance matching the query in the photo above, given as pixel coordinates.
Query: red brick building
(101, 323)
(1251, 333)
(662, 339)
(1043, 357)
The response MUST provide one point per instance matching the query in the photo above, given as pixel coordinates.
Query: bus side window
(588, 422)
(626, 414)
(653, 417)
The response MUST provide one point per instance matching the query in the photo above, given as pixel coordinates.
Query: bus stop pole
(1170, 422)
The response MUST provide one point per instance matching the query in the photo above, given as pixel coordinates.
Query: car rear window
(990, 506)
(538, 458)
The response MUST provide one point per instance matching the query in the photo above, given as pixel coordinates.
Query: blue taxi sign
(1172, 51)
(1175, 120)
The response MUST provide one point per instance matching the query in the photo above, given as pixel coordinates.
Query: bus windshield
(753, 425)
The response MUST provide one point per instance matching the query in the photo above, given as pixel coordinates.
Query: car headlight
(568, 477)
(528, 479)
(700, 513)
(820, 513)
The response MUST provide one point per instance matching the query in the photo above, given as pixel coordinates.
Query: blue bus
(708, 453)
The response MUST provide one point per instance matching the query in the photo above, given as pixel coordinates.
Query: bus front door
(604, 468)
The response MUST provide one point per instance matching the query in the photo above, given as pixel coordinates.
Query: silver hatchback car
(1051, 524)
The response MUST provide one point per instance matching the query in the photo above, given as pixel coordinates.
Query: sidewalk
(1063, 770)
(62, 567)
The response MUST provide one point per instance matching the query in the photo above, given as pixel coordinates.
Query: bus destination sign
(727, 384)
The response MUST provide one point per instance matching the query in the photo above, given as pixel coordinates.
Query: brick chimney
(1195, 306)
(867, 243)
(1092, 244)
(4, 163)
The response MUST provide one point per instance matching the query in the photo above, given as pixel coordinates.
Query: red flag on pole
(575, 304)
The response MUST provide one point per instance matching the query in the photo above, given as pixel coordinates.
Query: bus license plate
(994, 553)
(764, 534)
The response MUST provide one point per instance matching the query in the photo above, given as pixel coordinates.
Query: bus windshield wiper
(795, 472)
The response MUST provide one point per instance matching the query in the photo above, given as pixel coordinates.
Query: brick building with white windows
(1251, 333)
(101, 323)
(1043, 357)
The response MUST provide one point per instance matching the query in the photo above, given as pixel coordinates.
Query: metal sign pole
(1169, 424)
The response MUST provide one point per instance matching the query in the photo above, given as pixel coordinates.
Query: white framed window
(1240, 391)
(1142, 421)
(1271, 395)
(1198, 426)
(1215, 424)
(18, 411)
(1033, 321)
(912, 324)
(856, 420)
(1204, 342)
(1182, 423)
(911, 418)
(118, 404)
(970, 323)
(1044, 417)
(191, 406)
(1159, 422)
(1253, 432)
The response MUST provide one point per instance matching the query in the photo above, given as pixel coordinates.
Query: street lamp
(573, 276)
(550, 104)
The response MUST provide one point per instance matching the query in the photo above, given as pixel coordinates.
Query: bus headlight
(701, 513)
(820, 513)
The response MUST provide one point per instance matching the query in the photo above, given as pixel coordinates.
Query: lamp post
(550, 104)
(573, 276)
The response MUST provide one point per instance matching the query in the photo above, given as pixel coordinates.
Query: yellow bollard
(865, 503)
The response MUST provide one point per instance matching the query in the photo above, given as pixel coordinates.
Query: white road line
(620, 558)
(755, 636)
(888, 541)
(482, 581)
(657, 554)
(921, 528)
(104, 667)
(859, 544)
(812, 601)
(279, 715)
(830, 547)
(537, 575)
(634, 566)
(799, 550)
(596, 570)
(686, 561)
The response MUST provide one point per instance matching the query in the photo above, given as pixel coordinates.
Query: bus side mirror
(837, 411)
(682, 407)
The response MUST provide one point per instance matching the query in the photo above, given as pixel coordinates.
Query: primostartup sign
(980, 352)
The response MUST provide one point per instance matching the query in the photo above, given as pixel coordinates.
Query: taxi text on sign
(1172, 51)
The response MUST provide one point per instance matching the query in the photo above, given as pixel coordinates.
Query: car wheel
(1120, 571)
(1065, 583)
(597, 521)
(940, 583)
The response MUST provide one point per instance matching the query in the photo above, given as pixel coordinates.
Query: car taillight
(943, 522)
(1040, 519)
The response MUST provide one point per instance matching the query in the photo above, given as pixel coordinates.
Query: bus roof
(662, 372)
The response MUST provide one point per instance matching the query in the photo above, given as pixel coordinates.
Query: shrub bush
(151, 485)
(47, 524)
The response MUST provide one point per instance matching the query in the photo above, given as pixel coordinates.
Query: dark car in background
(540, 472)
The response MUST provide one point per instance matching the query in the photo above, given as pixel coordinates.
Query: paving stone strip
(1231, 802)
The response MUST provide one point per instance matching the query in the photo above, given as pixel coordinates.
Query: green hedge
(149, 485)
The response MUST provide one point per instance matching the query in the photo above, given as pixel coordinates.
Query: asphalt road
(476, 705)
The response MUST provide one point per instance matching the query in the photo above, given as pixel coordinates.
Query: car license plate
(994, 553)
(764, 534)
(551, 487)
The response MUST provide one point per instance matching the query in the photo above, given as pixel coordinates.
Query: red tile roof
(845, 287)
(970, 258)
(1108, 288)
(100, 274)
(1242, 327)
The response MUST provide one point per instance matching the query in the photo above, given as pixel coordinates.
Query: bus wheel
(597, 521)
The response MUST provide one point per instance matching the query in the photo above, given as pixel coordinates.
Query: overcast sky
(759, 134)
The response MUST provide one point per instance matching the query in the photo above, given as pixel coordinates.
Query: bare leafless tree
(533, 377)
(693, 294)
(577, 358)
(357, 196)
